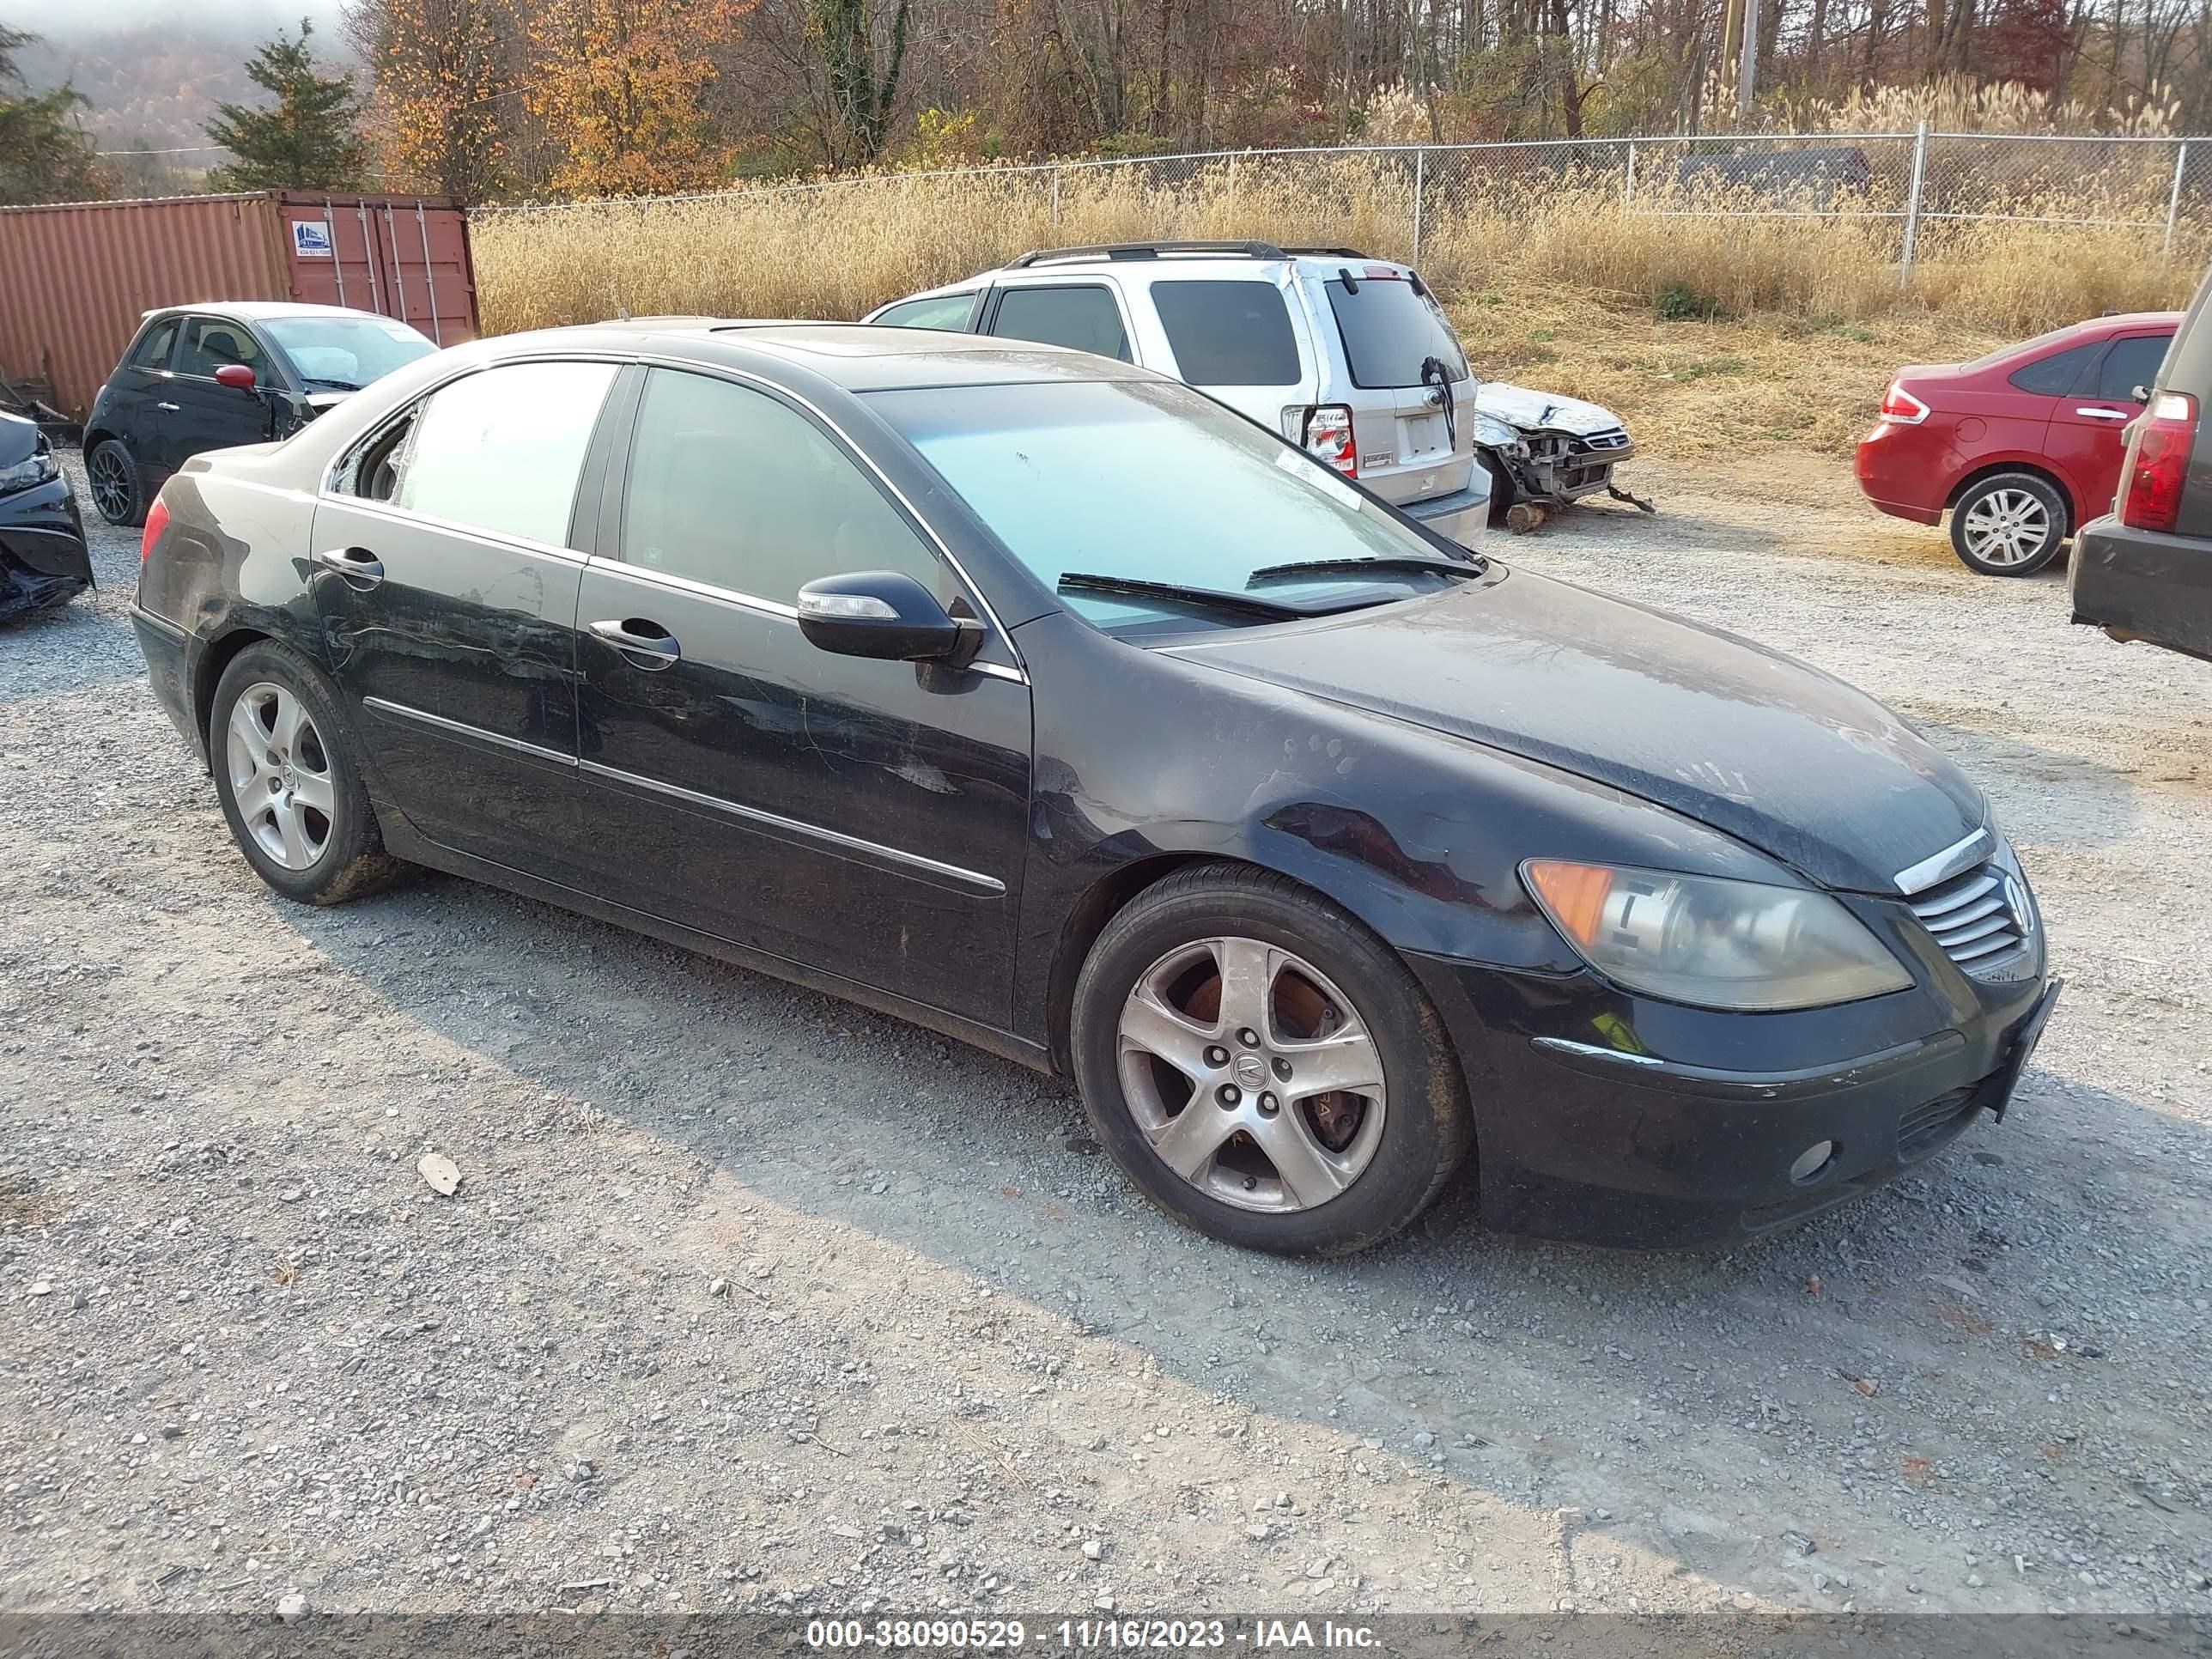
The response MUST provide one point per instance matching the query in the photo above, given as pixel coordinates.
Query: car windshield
(1094, 484)
(346, 353)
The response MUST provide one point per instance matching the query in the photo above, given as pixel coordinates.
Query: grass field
(1711, 335)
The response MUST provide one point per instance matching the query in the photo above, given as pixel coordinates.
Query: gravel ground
(749, 1298)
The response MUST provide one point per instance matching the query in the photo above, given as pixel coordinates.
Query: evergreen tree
(45, 156)
(309, 141)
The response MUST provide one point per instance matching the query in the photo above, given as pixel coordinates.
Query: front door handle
(645, 644)
(2105, 414)
(172, 408)
(356, 564)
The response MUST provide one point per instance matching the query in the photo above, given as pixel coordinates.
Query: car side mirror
(885, 615)
(2141, 394)
(237, 376)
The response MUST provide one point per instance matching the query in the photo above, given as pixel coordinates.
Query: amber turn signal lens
(1575, 894)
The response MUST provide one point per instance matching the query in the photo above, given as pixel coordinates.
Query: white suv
(1347, 356)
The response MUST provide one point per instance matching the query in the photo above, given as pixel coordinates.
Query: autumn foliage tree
(443, 69)
(619, 87)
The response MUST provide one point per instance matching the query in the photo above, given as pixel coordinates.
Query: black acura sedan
(1041, 700)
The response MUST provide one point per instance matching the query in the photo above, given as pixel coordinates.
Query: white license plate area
(1421, 437)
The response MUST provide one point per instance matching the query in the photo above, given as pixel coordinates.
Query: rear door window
(1085, 316)
(1228, 333)
(950, 311)
(2056, 376)
(500, 450)
(1391, 330)
(2133, 361)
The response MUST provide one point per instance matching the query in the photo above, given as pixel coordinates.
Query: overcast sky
(75, 21)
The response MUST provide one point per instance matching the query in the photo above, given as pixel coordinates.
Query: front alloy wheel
(113, 476)
(1250, 1074)
(1263, 1066)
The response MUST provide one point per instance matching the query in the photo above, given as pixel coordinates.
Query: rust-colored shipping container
(75, 279)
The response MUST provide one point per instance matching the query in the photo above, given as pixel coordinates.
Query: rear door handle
(172, 408)
(646, 644)
(356, 564)
(2105, 414)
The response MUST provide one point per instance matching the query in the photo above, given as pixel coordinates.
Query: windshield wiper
(1472, 567)
(336, 386)
(1135, 587)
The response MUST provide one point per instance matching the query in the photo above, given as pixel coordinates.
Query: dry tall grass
(1715, 333)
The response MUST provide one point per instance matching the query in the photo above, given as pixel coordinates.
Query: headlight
(37, 471)
(1712, 943)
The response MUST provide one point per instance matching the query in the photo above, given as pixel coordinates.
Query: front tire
(2009, 524)
(286, 773)
(119, 492)
(1206, 1018)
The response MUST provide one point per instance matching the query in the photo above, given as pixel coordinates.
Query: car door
(2088, 427)
(862, 818)
(1087, 316)
(447, 565)
(200, 413)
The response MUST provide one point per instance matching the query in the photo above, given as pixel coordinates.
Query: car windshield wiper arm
(1136, 587)
(1473, 567)
(324, 380)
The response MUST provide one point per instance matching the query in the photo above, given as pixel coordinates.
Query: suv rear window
(1391, 330)
(1228, 333)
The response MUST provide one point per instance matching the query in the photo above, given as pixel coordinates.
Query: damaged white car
(1543, 450)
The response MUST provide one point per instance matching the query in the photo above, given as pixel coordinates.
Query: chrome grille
(1971, 917)
(1612, 438)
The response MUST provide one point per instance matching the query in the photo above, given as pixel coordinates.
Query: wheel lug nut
(1269, 1106)
(1248, 1037)
(1282, 1069)
(1229, 1094)
(1217, 1056)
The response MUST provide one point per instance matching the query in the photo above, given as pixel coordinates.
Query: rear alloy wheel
(285, 774)
(1264, 1067)
(2011, 524)
(113, 477)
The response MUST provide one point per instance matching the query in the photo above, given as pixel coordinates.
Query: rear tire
(2009, 524)
(286, 773)
(1260, 989)
(119, 492)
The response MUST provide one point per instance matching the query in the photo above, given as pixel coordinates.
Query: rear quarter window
(1228, 332)
(2054, 377)
(1390, 329)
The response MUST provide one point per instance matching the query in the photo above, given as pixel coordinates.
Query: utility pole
(1747, 75)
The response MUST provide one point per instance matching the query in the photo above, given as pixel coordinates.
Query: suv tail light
(1328, 435)
(2158, 464)
(1901, 406)
(157, 520)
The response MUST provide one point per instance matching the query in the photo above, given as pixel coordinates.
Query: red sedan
(2020, 445)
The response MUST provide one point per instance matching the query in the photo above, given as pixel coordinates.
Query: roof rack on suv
(1145, 250)
(1330, 253)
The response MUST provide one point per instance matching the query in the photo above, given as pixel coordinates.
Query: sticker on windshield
(311, 239)
(1307, 470)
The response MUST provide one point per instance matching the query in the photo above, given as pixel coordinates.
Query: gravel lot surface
(750, 1298)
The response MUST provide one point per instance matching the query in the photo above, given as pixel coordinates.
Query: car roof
(257, 310)
(854, 355)
(1158, 261)
(2096, 328)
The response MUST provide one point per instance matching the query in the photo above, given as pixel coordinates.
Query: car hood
(1763, 748)
(19, 439)
(1542, 411)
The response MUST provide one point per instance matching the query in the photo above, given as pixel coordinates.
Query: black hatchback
(1039, 699)
(196, 378)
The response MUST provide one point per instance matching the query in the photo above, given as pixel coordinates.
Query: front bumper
(2143, 585)
(45, 559)
(1591, 1125)
(1563, 467)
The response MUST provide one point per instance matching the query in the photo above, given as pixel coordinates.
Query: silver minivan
(1350, 356)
